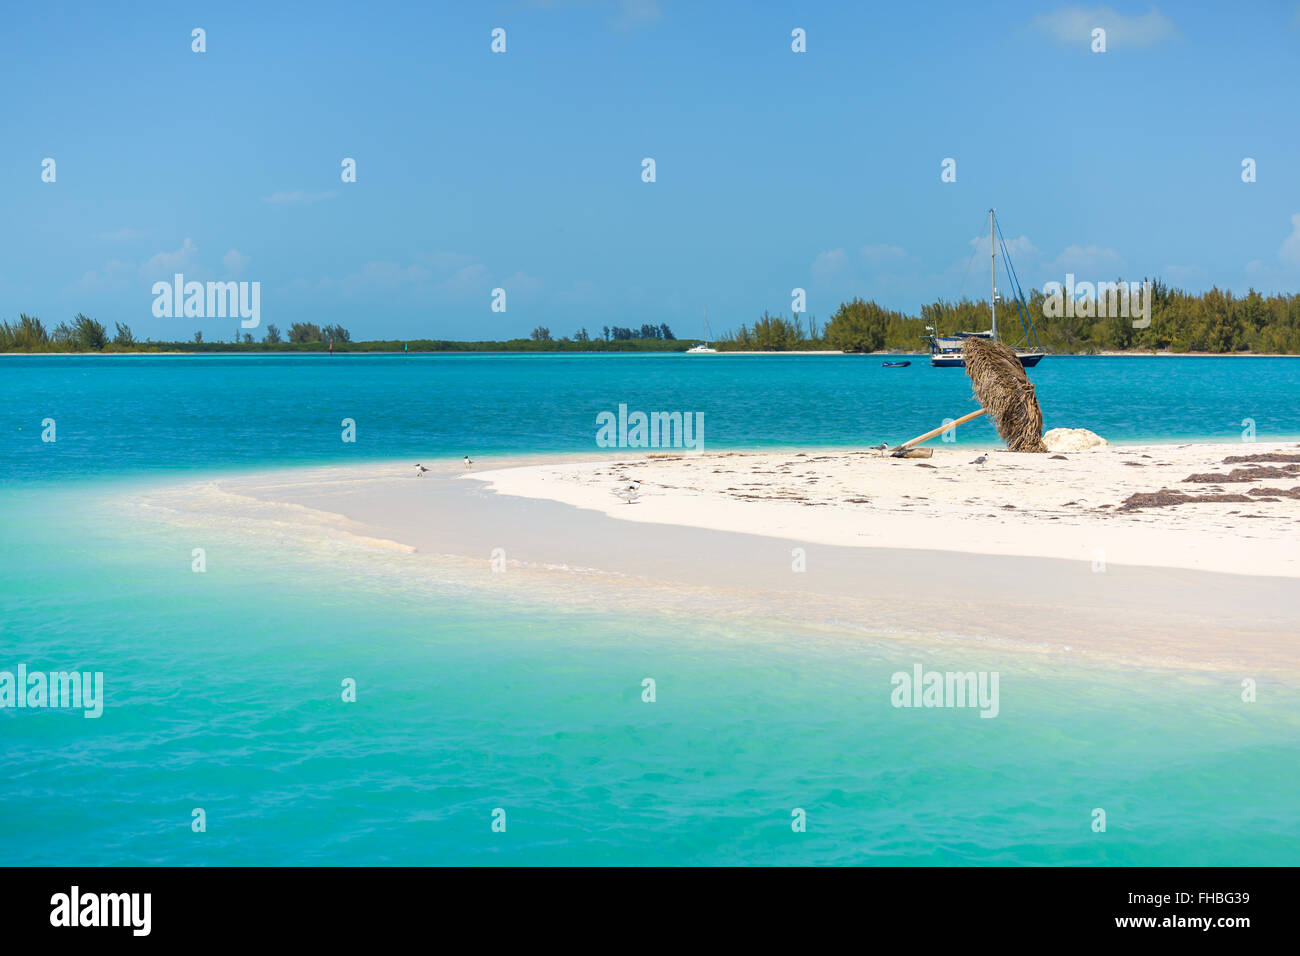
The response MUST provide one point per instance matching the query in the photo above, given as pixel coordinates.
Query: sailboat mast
(993, 278)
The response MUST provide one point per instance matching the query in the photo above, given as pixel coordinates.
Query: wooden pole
(901, 450)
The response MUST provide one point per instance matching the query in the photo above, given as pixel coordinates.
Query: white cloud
(445, 261)
(1093, 261)
(162, 264)
(1289, 251)
(122, 235)
(637, 13)
(522, 282)
(829, 264)
(879, 253)
(1018, 246)
(297, 196)
(113, 276)
(234, 261)
(1073, 25)
(439, 276)
(428, 278)
(629, 14)
(385, 275)
(582, 292)
(1179, 275)
(469, 280)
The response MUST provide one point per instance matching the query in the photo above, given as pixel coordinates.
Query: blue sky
(523, 170)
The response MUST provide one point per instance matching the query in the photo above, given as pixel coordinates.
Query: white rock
(1072, 439)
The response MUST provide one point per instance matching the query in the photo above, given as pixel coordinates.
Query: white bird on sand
(467, 461)
(980, 460)
(630, 493)
(420, 470)
(881, 447)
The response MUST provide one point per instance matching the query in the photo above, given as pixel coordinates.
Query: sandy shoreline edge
(925, 553)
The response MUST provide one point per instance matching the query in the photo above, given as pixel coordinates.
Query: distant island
(1215, 322)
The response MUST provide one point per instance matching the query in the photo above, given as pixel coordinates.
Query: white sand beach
(1074, 506)
(1051, 555)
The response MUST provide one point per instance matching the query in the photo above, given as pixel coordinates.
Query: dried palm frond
(1003, 388)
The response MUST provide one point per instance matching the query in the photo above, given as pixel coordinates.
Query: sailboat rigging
(704, 347)
(946, 350)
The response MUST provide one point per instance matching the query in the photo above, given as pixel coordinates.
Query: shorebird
(629, 493)
(980, 460)
(881, 447)
(420, 470)
(467, 461)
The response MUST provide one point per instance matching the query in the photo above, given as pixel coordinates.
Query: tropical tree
(89, 334)
(304, 332)
(857, 326)
(26, 335)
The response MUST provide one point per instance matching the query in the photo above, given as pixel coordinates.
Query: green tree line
(1216, 321)
(84, 334)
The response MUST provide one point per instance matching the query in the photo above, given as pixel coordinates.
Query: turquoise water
(146, 413)
(224, 688)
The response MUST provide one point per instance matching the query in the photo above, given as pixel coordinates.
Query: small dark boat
(895, 364)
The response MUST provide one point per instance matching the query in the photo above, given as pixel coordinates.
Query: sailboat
(946, 350)
(704, 348)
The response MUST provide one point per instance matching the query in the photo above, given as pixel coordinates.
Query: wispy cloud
(868, 271)
(386, 275)
(628, 14)
(1281, 271)
(880, 254)
(122, 235)
(1017, 246)
(442, 276)
(445, 261)
(1073, 25)
(523, 283)
(1289, 251)
(829, 264)
(635, 14)
(114, 276)
(234, 261)
(1180, 275)
(164, 263)
(297, 196)
(467, 281)
(582, 292)
(1091, 260)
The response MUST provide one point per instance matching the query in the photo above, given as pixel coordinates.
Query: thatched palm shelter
(1003, 388)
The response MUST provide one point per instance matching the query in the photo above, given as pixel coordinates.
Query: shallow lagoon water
(130, 414)
(224, 688)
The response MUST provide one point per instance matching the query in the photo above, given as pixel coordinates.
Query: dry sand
(1076, 506)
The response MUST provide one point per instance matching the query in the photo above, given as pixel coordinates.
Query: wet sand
(486, 532)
